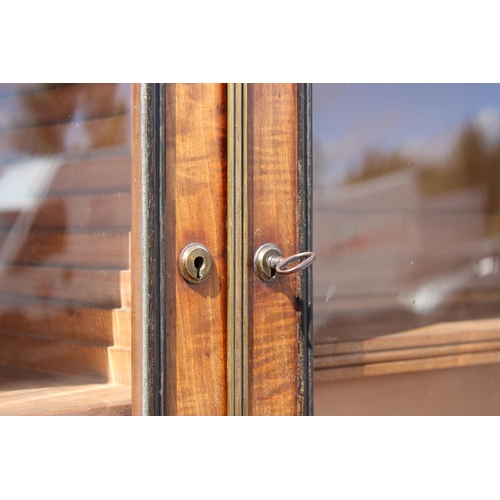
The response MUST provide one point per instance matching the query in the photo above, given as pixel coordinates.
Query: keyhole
(198, 263)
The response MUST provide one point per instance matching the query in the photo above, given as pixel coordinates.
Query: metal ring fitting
(309, 257)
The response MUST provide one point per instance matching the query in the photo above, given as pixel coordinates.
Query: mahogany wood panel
(272, 167)
(197, 204)
(136, 252)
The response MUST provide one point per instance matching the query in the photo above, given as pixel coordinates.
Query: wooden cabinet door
(406, 232)
(224, 165)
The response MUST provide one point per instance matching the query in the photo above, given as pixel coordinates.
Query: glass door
(64, 249)
(407, 233)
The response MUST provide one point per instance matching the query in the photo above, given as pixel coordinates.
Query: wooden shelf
(445, 345)
(30, 392)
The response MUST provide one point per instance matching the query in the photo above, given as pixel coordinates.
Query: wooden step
(28, 392)
(109, 289)
(105, 327)
(94, 250)
(96, 213)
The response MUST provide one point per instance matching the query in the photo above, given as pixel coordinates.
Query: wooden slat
(76, 136)
(439, 346)
(98, 326)
(273, 320)
(413, 365)
(64, 104)
(435, 335)
(76, 213)
(367, 358)
(71, 358)
(196, 194)
(92, 175)
(107, 288)
(101, 250)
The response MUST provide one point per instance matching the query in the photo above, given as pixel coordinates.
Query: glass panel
(64, 248)
(407, 232)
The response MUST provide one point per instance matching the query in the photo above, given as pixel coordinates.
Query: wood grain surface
(272, 167)
(196, 201)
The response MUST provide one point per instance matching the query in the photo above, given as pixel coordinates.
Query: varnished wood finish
(196, 212)
(272, 163)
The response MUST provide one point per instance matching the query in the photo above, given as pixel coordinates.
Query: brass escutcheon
(195, 263)
(261, 261)
(269, 261)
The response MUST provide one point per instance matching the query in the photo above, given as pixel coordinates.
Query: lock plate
(261, 261)
(195, 263)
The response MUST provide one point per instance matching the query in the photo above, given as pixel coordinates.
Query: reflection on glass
(64, 243)
(406, 226)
